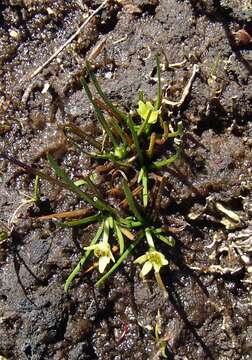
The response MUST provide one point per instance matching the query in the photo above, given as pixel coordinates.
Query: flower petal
(146, 268)
(111, 256)
(149, 238)
(103, 262)
(141, 259)
(90, 247)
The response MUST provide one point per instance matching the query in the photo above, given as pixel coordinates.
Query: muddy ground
(207, 199)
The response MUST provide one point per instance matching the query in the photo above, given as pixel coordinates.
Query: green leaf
(166, 162)
(109, 156)
(120, 237)
(79, 222)
(159, 91)
(143, 177)
(168, 240)
(131, 201)
(36, 194)
(95, 202)
(143, 127)
(145, 188)
(135, 139)
(83, 135)
(144, 109)
(104, 96)
(99, 113)
(130, 223)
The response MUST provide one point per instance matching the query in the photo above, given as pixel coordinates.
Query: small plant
(134, 147)
(27, 201)
(161, 342)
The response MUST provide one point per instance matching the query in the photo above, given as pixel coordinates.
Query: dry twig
(62, 47)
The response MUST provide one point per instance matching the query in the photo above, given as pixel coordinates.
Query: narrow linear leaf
(167, 240)
(92, 186)
(149, 238)
(75, 144)
(33, 171)
(36, 194)
(130, 223)
(166, 162)
(159, 90)
(111, 157)
(106, 229)
(145, 188)
(99, 113)
(104, 96)
(80, 264)
(79, 222)
(140, 175)
(96, 203)
(135, 139)
(131, 201)
(116, 120)
(83, 135)
(119, 236)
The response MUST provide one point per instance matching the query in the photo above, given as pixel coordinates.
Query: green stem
(161, 284)
(151, 145)
(143, 125)
(80, 264)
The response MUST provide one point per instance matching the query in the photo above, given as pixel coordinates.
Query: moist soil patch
(206, 202)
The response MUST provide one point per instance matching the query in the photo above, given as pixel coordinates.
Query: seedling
(27, 201)
(161, 342)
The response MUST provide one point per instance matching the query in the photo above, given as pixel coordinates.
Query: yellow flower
(103, 252)
(152, 260)
(144, 109)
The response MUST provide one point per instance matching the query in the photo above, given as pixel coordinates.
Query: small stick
(66, 214)
(185, 92)
(97, 49)
(62, 47)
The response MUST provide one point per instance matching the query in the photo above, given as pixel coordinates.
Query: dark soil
(208, 312)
